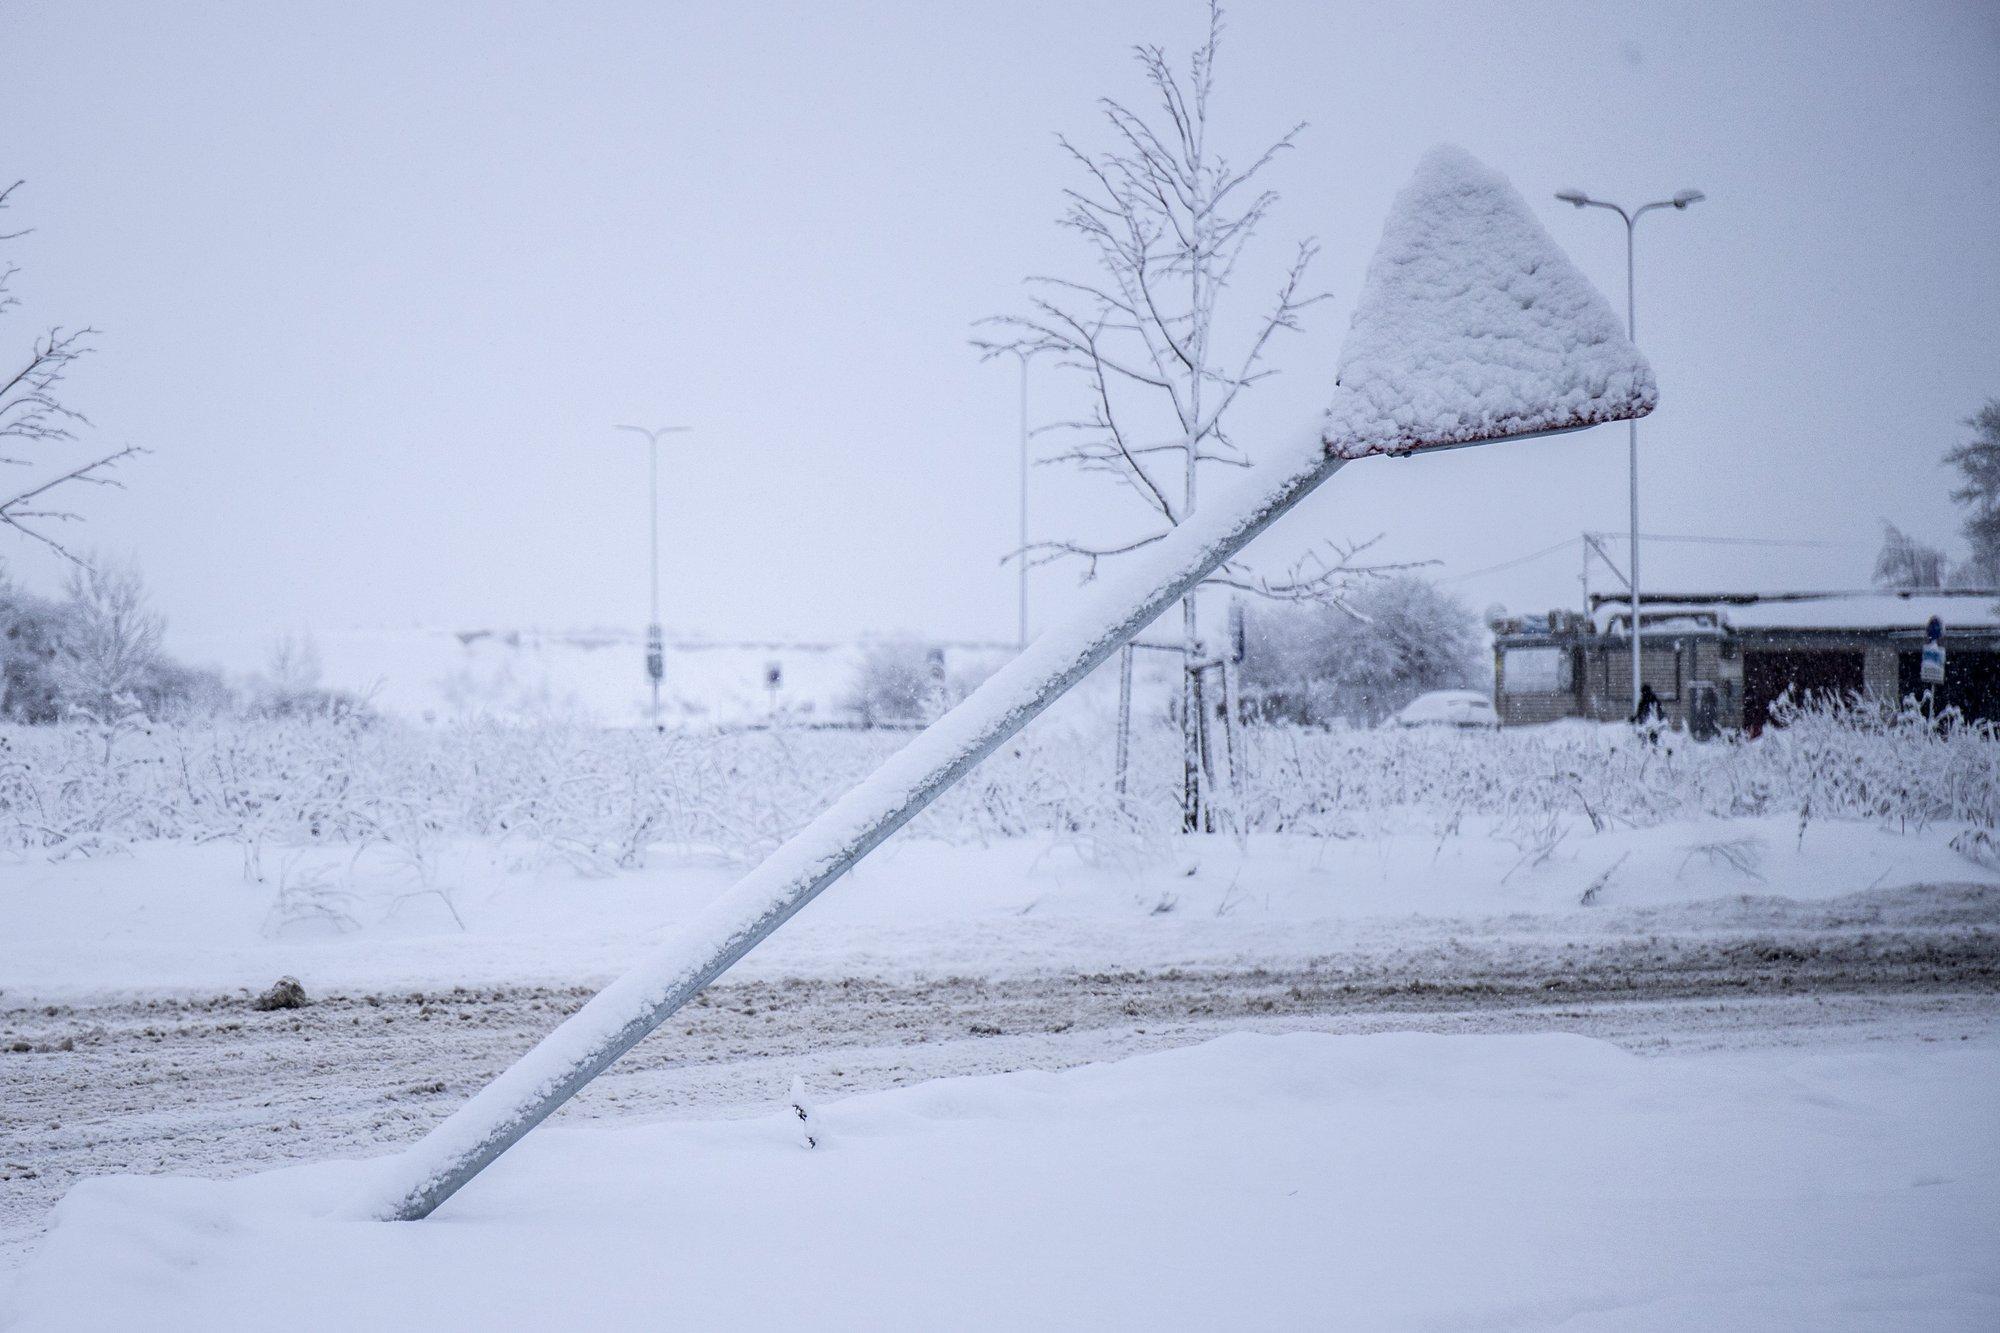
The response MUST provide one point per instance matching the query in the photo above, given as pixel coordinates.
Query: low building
(1749, 648)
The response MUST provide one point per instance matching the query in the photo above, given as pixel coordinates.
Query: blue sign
(1934, 631)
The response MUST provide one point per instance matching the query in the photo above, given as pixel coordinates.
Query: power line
(1688, 538)
(1518, 560)
(1724, 541)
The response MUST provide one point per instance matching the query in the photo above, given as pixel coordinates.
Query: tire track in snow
(209, 1086)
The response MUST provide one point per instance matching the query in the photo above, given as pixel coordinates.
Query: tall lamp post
(1631, 220)
(1024, 357)
(656, 663)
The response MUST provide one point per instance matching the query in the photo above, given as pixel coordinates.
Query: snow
(1896, 612)
(1474, 324)
(181, 920)
(1297, 1181)
(1464, 708)
(1381, 1181)
(423, 672)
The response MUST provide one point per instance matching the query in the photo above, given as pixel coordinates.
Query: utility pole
(656, 648)
(1631, 220)
(1594, 541)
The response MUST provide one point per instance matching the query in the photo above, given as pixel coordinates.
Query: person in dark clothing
(1649, 712)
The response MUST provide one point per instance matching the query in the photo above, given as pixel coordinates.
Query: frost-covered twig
(802, 1109)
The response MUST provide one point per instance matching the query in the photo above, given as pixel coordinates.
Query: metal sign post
(656, 667)
(1472, 327)
(1931, 669)
(655, 654)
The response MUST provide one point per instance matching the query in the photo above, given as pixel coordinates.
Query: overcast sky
(375, 280)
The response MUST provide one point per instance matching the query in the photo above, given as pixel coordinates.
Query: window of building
(1535, 671)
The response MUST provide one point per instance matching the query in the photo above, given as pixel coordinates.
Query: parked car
(1448, 708)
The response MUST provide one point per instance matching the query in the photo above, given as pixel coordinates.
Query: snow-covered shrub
(108, 642)
(1886, 763)
(97, 653)
(1391, 640)
(289, 685)
(893, 682)
(600, 799)
(29, 629)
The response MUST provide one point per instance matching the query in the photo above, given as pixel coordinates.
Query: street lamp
(1024, 356)
(1631, 219)
(656, 665)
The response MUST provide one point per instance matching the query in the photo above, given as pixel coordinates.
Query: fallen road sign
(1472, 327)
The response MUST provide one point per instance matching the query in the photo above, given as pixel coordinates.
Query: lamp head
(1686, 197)
(1576, 197)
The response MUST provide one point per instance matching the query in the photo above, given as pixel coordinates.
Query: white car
(1448, 708)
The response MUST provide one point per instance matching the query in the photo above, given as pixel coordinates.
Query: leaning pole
(1471, 327)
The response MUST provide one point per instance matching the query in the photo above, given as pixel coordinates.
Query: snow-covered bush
(1393, 639)
(600, 799)
(1899, 764)
(108, 643)
(894, 682)
(96, 652)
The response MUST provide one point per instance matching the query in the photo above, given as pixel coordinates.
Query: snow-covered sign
(1472, 326)
(656, 654)
(1931, 669)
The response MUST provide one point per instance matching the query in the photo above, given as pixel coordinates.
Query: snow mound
(1473, 324)
(1302, 1181)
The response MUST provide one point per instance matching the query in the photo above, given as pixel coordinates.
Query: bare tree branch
(16, 512)
(1324, 574)
(1158, 213)
(6, 196)
(1164, 222)
(34, 419)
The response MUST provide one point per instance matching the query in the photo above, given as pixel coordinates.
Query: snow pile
(1303, 1181)
(1474, 324)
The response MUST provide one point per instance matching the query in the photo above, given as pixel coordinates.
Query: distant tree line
(95, 654)
(1307, 663)
(1906, 562)
(1393, 639)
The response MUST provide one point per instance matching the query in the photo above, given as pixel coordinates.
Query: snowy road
(209, 1086)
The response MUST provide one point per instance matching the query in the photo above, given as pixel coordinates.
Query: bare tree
(1166, 218)
(1978, 464)
(1904, 562)
(893, 682)
(109, 644)
(293, 663)
(36, 425)
(1316, 664)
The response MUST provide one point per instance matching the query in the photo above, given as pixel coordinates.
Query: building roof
(1977, 610)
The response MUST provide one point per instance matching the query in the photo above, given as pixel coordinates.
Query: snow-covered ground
(177, 918)
(127, 1042)
(448, 895)
(1303, 1181)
